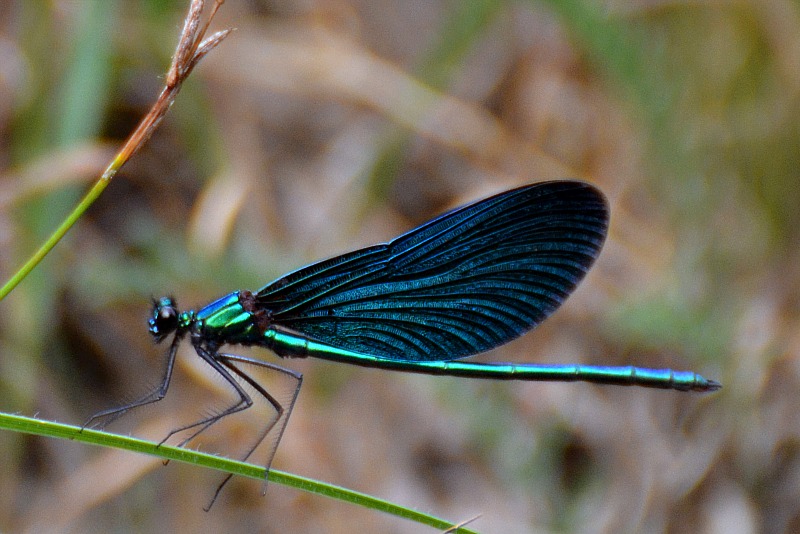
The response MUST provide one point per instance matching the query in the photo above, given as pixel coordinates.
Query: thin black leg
(243, 403)
(154, 396)
(282, 412)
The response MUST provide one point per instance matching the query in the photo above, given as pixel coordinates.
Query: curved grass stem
(39, 427)
(192, 47)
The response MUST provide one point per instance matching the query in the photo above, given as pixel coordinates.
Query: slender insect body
(464, 283)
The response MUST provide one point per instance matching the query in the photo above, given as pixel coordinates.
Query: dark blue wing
(465, 282)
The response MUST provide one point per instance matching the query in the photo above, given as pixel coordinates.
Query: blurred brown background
(322, 126)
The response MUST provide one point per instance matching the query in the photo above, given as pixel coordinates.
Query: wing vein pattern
(463, 283)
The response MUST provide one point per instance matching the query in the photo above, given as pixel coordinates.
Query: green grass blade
(56, 236)
(39, 427)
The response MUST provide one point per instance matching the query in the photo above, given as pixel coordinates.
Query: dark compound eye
(164, 320)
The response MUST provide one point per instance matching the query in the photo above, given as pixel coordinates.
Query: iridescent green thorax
(226, 319)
